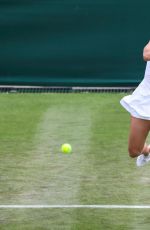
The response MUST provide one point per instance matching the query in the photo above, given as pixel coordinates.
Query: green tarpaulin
(74, 42)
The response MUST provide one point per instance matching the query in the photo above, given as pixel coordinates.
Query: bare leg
(139, 130)
(146, 149)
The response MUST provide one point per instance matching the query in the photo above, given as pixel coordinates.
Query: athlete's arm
(146, 52)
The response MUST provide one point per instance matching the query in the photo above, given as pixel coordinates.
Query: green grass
(99, 171)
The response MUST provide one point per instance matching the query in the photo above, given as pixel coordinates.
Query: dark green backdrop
(73, 42)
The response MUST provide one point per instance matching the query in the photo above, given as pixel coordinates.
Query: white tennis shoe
(142, 160)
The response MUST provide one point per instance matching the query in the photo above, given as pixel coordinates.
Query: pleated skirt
(138, 103)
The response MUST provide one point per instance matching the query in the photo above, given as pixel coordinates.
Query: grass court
(33, 171)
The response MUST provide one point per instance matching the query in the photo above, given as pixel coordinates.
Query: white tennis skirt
(138, 103)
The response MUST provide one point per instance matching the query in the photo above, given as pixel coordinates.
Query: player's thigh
(139, 130)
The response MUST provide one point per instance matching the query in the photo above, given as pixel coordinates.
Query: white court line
(75, 206)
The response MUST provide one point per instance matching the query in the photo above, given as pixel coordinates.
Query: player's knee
(133, 152)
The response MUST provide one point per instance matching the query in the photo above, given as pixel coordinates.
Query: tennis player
(138, 105)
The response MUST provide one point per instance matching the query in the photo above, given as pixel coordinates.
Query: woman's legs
(139, 130)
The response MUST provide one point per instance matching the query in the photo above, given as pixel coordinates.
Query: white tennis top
(147, 71)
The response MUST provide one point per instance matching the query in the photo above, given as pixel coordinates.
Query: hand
(146, 52)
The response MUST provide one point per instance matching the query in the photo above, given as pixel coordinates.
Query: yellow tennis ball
(66, 148)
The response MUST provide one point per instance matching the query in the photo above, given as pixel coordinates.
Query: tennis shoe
(142, 160)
